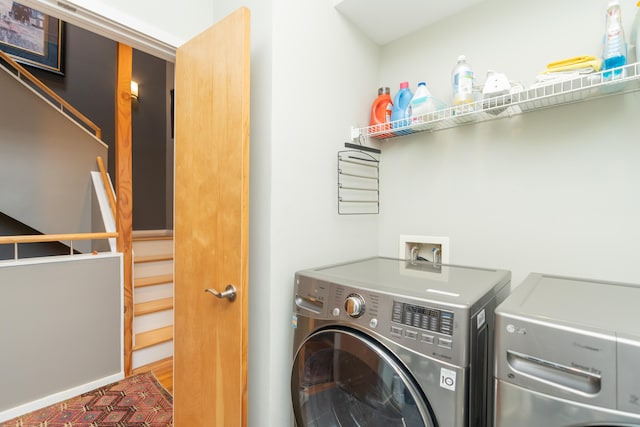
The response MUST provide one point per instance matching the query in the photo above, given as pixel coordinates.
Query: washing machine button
(396, 331)
(335, 312)
(427, 338)
(444, 343)
(411, 334)
(373, 323)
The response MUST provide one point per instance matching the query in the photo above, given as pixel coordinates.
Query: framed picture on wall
(31, 37)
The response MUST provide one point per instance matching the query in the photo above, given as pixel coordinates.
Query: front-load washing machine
(568, 354)
(383, 342)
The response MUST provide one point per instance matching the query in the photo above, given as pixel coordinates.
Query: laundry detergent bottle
(421, 104)
(381, 111)
(401, 113)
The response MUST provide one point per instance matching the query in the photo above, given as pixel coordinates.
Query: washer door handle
(228, 293)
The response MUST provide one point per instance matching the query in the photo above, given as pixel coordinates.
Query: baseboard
(58, 397)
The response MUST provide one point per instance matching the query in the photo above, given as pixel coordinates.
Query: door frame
(96, 22)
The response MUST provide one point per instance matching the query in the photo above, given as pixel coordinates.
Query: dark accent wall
(88, 84)
(149, 143)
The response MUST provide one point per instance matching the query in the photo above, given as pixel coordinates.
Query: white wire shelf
(554, 93)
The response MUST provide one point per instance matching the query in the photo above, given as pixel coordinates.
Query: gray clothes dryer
(382, 342)
(568, 354)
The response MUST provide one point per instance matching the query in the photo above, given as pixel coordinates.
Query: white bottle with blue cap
(421, 104)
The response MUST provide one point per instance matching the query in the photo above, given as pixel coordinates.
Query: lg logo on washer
(448, 379)
(514, 329)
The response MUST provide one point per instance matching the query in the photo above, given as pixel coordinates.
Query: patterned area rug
(137, 401)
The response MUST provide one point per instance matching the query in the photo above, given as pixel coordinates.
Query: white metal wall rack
(554, 93)
(358, 180)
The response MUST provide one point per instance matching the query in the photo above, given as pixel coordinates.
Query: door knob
(228, 293)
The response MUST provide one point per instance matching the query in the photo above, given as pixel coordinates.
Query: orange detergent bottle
(381, 113)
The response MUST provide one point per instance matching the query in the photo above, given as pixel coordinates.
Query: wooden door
(211, 225)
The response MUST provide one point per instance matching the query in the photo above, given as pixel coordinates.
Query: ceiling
(384, 21)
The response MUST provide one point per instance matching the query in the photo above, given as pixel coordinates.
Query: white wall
(322, 78)
(552, 191)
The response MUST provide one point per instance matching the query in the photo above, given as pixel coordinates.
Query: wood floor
(162, 369)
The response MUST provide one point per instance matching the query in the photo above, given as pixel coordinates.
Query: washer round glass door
(343, 378)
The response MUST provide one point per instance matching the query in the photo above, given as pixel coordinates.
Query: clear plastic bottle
(634, 39)
(400, 113)
(462, 82)
(381, 110)
(614, 52)
(421, 104)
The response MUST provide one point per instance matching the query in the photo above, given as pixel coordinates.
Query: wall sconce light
(134, 90)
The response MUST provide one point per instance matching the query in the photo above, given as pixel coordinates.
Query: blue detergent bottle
(614, 49)
(401, 113)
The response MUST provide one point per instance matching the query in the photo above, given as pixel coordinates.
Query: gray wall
(60, 325)
(45, 164)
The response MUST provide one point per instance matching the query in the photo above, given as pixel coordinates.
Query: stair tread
(153, 258)
(150, 238)
(153, 337)
(158, 365)
(142, 235)
(162, 370)
(153, 280)
(152, 306)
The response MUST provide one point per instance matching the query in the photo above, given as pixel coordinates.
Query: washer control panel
(427, 328)
(424, 318)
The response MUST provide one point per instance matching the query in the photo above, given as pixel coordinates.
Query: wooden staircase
(153, 303)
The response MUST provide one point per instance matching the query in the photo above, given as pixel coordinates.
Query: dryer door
(344, 378)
